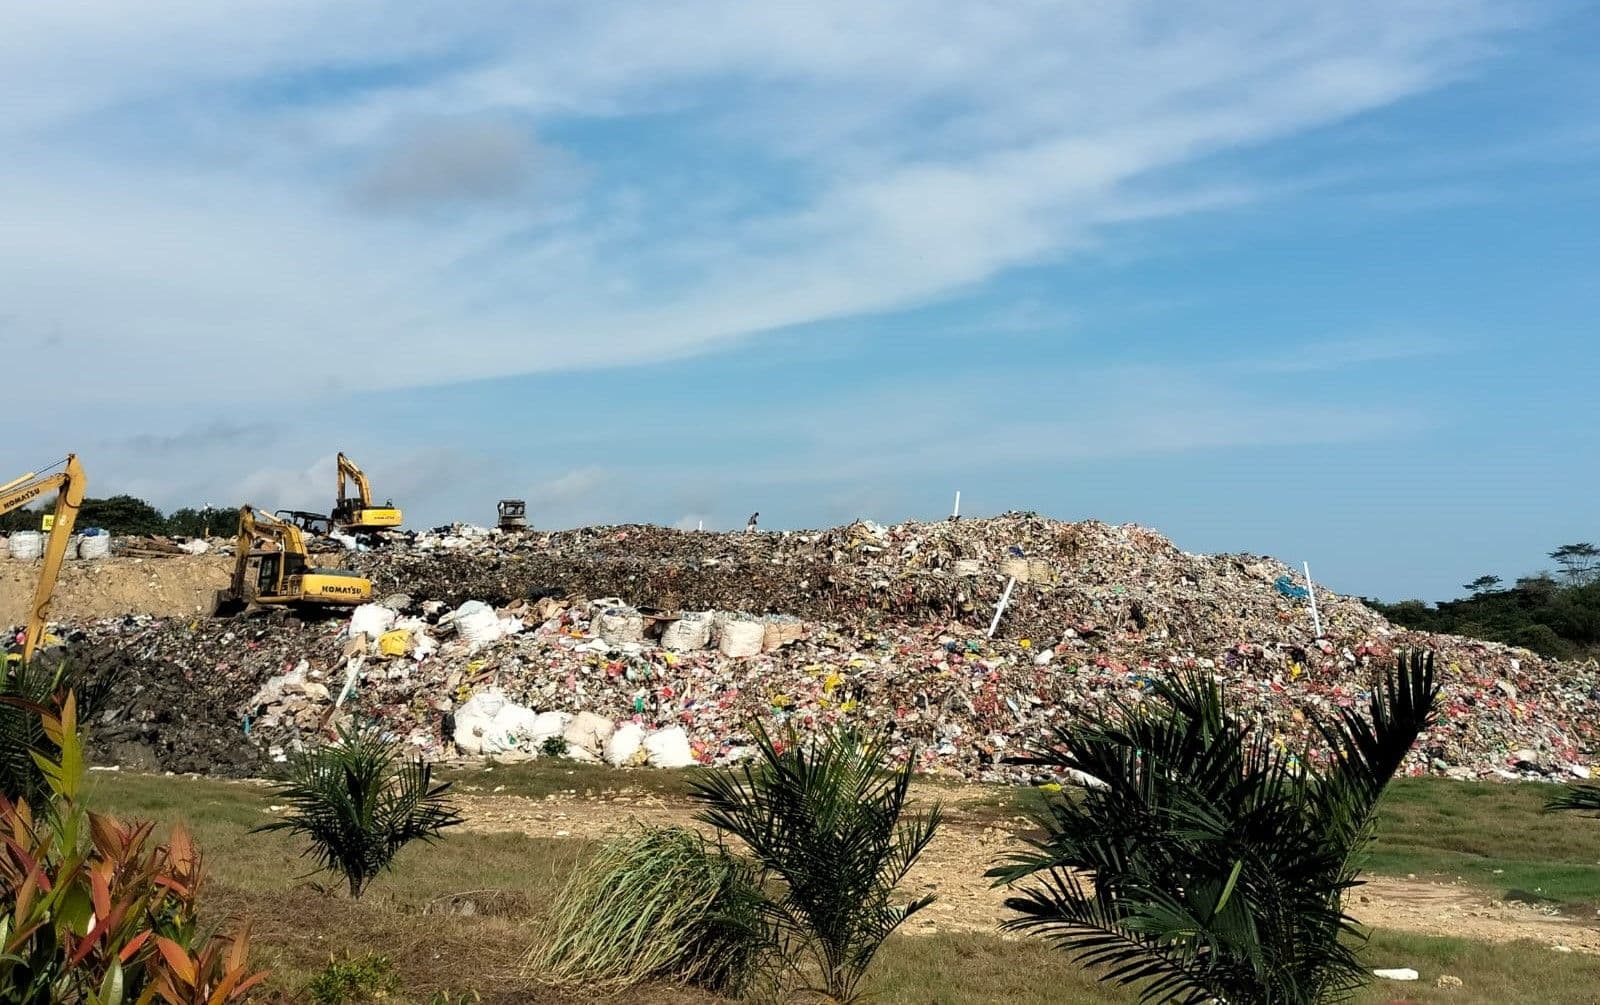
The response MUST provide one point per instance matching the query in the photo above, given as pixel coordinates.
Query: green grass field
(1495, 837)
(458, 916)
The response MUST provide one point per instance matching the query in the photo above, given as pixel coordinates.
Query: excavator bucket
(227, 605)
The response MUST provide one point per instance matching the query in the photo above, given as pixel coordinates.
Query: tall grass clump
(656, 904)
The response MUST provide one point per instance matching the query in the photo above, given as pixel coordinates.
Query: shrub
(352, 980)
(1543, 640)
(826, 818)
(1205, 864)
(656, 904)
(359, 801)
(93, 911)
(554, 746)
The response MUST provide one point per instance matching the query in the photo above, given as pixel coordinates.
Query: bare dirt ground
(170, 587)
(972, 840)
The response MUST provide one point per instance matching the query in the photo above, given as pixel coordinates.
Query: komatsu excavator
(68, 484)
(272, 569)
(355, 513)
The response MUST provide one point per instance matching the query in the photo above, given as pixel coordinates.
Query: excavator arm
(68, 485)
(348, 469)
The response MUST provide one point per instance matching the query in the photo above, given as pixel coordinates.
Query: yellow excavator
(272, 569)
(355, 513)
(68, 485)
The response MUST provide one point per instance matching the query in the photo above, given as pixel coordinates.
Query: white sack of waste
(371, 620)
(516, 722)
(26, 545)
(1397, 974)
(668, 748)
(586, 736)
(474, 729)
(548, 724)
(480, 624)
(195, 547)
(479, 627)
(487, 723)
(625, 745)
(620, 625)
(740, 639)
(688, 633)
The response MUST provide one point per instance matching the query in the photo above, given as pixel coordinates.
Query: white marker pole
(1311, 588)
(702, 525)
(957, 511)
(1005, 598)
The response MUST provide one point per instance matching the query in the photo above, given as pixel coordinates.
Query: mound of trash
(642, 645)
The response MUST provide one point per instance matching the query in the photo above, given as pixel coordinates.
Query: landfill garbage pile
(175, 687)
(1090, 572)
(490, 645)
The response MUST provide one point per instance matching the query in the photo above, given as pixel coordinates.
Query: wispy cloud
(207, 436)
(1318, 355)
(747, 167)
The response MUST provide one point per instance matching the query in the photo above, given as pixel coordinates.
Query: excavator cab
(311, 523)
(352, 515)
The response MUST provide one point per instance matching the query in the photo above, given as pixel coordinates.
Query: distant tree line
(128, 515)
(1555, 613)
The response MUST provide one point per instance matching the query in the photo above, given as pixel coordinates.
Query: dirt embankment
(114, 586)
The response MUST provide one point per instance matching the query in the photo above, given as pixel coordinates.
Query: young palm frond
(656, 904)
(358, 802)
(1584, 798)
(827, 817)
(1209, 866)
(26, 691)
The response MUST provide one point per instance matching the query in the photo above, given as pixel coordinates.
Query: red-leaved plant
(95, 911)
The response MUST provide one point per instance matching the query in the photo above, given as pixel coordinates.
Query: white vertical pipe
(1311, 588)
(1000, 609)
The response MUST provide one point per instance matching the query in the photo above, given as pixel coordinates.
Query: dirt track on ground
(106, 588)
(971, 841)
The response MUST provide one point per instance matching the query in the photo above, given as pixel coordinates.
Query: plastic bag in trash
(586, 736)
(668, 748)
(625, 746)
(371, 620)
(394, 643)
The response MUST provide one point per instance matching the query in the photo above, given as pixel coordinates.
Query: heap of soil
(106, 588)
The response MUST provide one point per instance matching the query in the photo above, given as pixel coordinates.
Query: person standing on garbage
(750, 525)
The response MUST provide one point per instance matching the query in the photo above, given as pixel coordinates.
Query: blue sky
(1311, 280)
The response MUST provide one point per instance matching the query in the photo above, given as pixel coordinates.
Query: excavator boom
(68, 485)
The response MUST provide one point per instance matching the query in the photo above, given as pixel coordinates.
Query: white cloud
(572, 487)
(174, 187)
